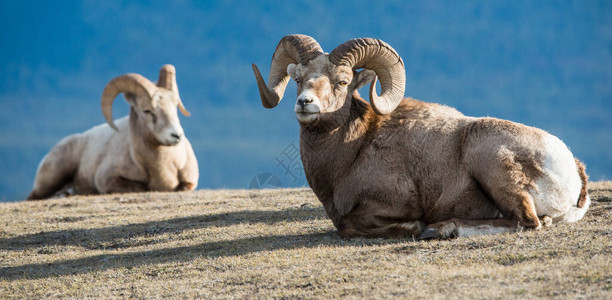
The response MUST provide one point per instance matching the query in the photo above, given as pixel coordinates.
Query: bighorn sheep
(400, 167)
(146, 151)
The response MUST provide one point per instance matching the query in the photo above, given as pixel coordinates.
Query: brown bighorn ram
(401, 167)
(146, 151)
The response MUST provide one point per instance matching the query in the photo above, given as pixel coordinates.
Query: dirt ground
(280, 244)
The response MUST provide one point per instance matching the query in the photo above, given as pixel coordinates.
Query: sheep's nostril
(303, 101)
(176, 136)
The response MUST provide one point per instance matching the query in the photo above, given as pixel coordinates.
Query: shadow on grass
(236, 247)
(117, 237)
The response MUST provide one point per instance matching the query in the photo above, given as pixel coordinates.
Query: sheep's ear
(130, 98)
(362, 78)
(291, 71)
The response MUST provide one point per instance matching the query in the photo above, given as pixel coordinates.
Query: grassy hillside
(542, 63)
(280, 244)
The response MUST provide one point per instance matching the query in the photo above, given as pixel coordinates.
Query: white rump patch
(557, 191)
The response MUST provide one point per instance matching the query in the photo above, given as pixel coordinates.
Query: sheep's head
(326, 81)
(154, 105)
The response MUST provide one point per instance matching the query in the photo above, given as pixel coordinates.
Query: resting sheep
(400, 167)
(146, 151)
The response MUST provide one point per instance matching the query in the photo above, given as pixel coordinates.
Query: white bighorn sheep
(146, 151)
(401, 167)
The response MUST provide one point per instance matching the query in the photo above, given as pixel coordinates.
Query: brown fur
(584, 178)
(423, 163)
(371, 131)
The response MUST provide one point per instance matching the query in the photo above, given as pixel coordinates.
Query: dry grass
(222, 244)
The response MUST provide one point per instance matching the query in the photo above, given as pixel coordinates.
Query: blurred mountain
(543, 63)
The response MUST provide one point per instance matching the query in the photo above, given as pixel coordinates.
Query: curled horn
(131, 83)
(379, 57)
(167, 80)
(292, 49)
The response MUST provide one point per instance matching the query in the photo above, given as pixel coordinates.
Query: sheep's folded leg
(364, 222)
(392, 230)
(185, 186)
(120, 184)
(459, 228)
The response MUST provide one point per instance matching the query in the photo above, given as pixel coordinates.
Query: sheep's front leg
(349, 229)
(188, 175)
(456, 228)
(120, 184)
(460, 228)
(185, 186)
(365, 222)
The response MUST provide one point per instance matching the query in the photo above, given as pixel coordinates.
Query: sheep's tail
(584, 178)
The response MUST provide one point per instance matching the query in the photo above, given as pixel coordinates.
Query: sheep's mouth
(169, 142)
(307, 109)
(307, 117)
(306, 113)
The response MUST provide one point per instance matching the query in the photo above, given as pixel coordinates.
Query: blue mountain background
(542, 63)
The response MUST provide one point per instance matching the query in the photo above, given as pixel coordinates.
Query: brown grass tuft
(280, 244)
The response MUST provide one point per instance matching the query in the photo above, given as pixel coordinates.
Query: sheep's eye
(342, 83)
(149, 112)
(297, 81)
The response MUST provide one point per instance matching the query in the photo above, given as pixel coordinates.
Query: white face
(322, 88)
(308, 105)
(161, 117)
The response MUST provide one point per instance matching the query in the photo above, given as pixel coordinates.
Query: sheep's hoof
(185, 186)
(430, 233)
(546, 221)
